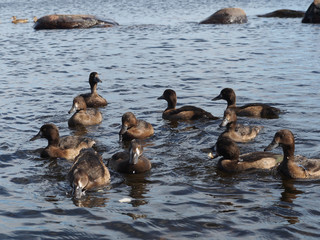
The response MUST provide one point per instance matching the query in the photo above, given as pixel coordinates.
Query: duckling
(83, 116)
(15, 20)
(35, 19)
(258, 110)
(93, 99)
(232, 161)
(183, 113)
(237, 132)
(88, 172)
(131, 161)
(293, 166)
(67, 147)
(133, 128)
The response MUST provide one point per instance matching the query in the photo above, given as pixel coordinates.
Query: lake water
(158, 45)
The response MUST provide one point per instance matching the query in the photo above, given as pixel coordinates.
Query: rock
(71, 21)
(284, 13)
(227, 16)
(312, 15)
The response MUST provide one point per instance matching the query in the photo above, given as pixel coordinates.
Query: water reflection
(139, 189)
(91, 201)
(290, 191)
(39, 83)
(289, 194)
(136, 216)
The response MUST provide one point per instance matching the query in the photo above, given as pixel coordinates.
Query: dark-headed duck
(291, 166)
(258, 110)
(133, 128)
(232, 161)
(93, 99)
(88, 172)
(131, 161)
(67, 147)
(237, 132)
(183, 113)
(82, 115)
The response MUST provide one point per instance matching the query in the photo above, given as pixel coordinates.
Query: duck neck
(231, 101)
(171, 105)
(231, 126)
(93, 87)
(288, 153)
(53, 140)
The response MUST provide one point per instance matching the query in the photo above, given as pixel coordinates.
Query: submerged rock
(284, 13)
(71, 21)
(227, 16)
(312, 15)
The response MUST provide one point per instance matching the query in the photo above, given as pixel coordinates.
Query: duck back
(86, 117)
(187, 113)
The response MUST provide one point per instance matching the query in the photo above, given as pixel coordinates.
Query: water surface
(158, 45)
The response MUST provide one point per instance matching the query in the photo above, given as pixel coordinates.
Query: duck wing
(247, 130)
(311, 166)
(256, 156)
(193, 113)
(258, 110)
(74, 142)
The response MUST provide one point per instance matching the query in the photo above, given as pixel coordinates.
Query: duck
(132, 161)
(258, 110)
(233, 162)
(15, 20)
(133, 128)
(293, 166)
(82, 115)
(67, 147)
(93, 99)
(88, 172)
(237, 132)
(183, 113)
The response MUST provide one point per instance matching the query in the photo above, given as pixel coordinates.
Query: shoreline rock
(227, 16)
(60, 21)
(284, 13)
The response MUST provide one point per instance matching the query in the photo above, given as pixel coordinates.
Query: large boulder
(284, 13)
(312, 15)
(227, 16)
(71, 21)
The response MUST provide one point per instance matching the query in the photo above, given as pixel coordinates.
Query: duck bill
(123, 129)
(97, 79)
(134, 156)
(272, 146)
(73, 109)
(77, 192)
(39, 135)
(217, 98)
(161, 97)
(224, 122)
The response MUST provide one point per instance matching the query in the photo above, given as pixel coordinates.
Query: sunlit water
(158, 45)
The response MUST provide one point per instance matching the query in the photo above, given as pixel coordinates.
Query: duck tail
(271, 112)
(210, 116)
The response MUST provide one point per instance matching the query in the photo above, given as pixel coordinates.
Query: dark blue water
(158, 45)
